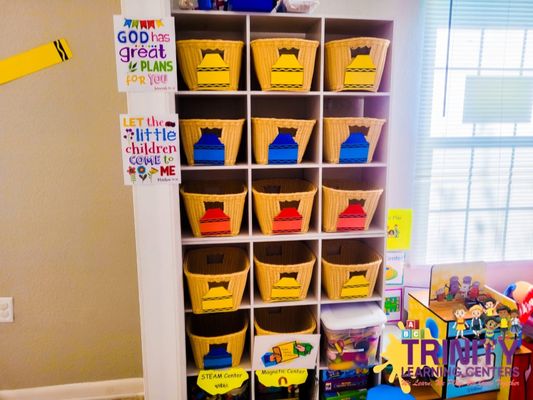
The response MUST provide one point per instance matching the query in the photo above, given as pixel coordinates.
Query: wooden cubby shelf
(248, 102)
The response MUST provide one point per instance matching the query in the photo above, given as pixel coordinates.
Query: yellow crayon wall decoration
(33, 60)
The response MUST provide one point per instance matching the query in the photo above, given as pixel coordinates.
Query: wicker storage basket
(202, 145)
(284, 64)
(337, 131)
(214, 208)
(283, 205)
(210, 64)
(342, 199)
(277, 321)
(227, 329)
(349, 269)
(216, 277)
(363, 72)
(266, 130)
(283, 270)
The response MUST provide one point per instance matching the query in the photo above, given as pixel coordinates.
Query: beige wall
(67, 252)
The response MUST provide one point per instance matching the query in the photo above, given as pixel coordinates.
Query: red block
(352, 219)
(215, 223)
(289, 220)
(412, 324)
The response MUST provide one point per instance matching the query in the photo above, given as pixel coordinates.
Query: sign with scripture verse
(145, 54)
(150, 149)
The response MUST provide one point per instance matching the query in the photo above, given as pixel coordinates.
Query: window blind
(474, 156)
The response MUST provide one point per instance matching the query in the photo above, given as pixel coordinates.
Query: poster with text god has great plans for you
(145, 54)
(150, 149)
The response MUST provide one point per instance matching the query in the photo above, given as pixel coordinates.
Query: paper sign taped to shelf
(150, 149)
(282, 377)
(399, 229)
(285, 351)
(221, 381)
(394, 265)
(145, 54)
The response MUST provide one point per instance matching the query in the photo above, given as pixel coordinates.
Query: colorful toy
(522, 293)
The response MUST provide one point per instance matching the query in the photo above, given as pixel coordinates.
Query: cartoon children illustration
(516, 327)
(490, 307)
(477, 322)
(460, 323)
(504, 313)
(491, 324)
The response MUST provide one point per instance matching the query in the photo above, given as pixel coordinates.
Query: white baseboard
(104, 390)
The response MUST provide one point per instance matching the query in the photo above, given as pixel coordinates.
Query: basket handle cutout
(224, 284)
(272, 189)
(290, 131)
(215, 258)
(212, 51)
(213, 131)
(289, 204)
(334, 250)
(274, 250)
(359, 129)
(292, 51)
(357, 273)
(213, 204)
(359, 51)
(361, 202)
(218, 346)
(293, 275)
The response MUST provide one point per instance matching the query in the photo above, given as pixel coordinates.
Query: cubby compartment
(294, 210)
(305, 390)
(209, 109)
(298, 320)
(222, 27)
(285, 107)
(341, 28)
(264, 27)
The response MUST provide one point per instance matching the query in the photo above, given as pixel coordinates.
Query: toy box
(457, 309)
(337, 381)
(352, 333)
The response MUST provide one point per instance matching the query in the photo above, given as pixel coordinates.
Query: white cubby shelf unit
(249, 101)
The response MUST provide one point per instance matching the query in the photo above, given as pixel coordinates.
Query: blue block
(209, 150)
(354, 149)
(283, 150)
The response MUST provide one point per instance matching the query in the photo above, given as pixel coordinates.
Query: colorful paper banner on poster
(150, 149)
(399, 229)
(145, 54)
(285, 351)
(221, 381)
(394, 265)
(394, 304)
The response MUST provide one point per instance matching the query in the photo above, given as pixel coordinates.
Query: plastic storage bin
(211, 141)
(349, 269)
(355, 64)
(210, 64)
(217, 340)
(351, 140)
(284, 64)
(352, 333)
(252, 5)
(347, 205)
(277, 321)
(283, 205)
(214, 208)
(216, 277)
(280, 141)
(283, 270)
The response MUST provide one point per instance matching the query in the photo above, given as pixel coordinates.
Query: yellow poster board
(399, 229)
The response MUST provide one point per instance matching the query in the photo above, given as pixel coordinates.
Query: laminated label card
(145, 54)
(150, 149)
(394, 265)
(285, 351)
(399, 229)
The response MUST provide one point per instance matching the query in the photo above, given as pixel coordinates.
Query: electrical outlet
(6, 309)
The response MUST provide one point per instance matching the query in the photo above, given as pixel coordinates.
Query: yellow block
(356, 286)
(286, 288)
(217, 299)
(213, 72)
(361, 73)
(34, 60)
(287, 73)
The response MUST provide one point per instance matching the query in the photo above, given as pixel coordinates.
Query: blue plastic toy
(217, 358)
(386, 392)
